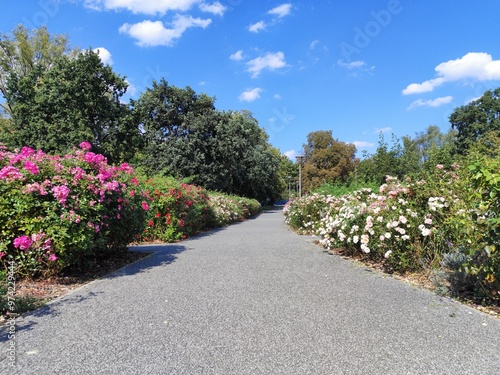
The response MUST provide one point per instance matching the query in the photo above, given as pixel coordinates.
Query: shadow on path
(161, 255)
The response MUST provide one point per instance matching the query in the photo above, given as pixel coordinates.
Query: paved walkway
(252, 298)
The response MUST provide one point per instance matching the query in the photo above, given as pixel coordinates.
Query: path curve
(252, 298)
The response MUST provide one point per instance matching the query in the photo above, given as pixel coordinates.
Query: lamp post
(300, 158)
(289, 188)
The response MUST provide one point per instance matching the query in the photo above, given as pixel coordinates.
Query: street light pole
(289, 188)
(299, 160)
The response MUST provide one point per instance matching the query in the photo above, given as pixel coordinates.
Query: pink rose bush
(56, 211)
(177, 210)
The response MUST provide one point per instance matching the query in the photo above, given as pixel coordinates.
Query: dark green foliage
(385, 162)
(476, 119)
(188, 138)
(289, 177)
(409, 158)
(75, 100)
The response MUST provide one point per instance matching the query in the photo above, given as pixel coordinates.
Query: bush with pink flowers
(57, 211)
(175, 210)
(61, 211)
(178, 210)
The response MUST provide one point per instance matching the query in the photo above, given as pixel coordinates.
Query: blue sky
(357, 68)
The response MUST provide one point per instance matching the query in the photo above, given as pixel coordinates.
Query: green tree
(24, 50)
(385, 161)
(326, 160)
(188, 138)
(410, 160)
(427, 149)
(76, 99)
(179, 128)
(289, 176)
(474, 120)
(487, 146)
(250, 166)
(5, 127)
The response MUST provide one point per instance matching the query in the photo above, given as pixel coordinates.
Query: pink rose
(22, 243)
(85, 146)
(31, 167)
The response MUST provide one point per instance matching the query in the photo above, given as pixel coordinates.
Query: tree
(24, 51)
(326, 160)
(179, 128)
(426, 150)
(385, 161)
(74, 100)
(409, 157)
(5, 127)
(474, 120)
(288, 175)
(188, 138)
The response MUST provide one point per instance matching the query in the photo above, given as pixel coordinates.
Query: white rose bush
(407, 226)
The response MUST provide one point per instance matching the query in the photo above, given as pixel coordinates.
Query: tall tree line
(474, 132)
(55, 97)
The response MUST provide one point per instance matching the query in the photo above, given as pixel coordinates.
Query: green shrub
(61, 211)
(446, 221)
(483, 253)
(228, 209)
(176, 210)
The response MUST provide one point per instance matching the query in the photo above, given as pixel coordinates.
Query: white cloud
(150, 7)
(270, 61)
(155, 7)
(131, 89)
(468, 101)
(250, 95)
(363, 144)
(215, 8)
(313, 44)
(277, 96)
(431, 103)
(478, 66)
(290, 154)
(104, 55)
(237, 56)
(92, 4)
(256, 27)
(427, 86)
(149, 33)
(281, 10)
(278, 13)
(356, 66)
(383, 130)
(351, 65)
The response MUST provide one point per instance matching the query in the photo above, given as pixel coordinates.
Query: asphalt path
(252, 298)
